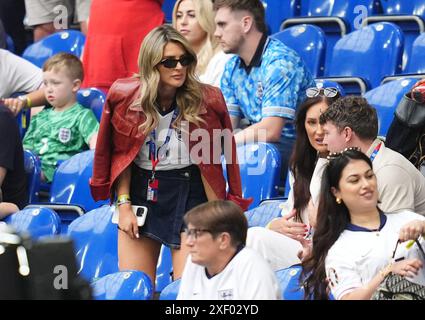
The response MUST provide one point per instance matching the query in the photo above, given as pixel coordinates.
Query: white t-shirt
(246, 277)
(17, 74)
(357, 256)
(215, 69)
(177, 155)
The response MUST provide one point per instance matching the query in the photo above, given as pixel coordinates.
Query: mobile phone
(139, 211)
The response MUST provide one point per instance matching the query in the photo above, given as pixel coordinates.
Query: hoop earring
(338, 200)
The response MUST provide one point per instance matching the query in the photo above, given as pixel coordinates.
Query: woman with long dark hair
(354, 240)
(284, 236)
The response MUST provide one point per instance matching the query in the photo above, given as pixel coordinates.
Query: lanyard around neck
(375, 152)
(159, 154)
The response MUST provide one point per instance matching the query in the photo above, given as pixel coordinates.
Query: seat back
(400, 7)
(70, 183)
(385, 99)
(309, 42)
(124, 285)
(371, 53)
(95, 239)
(71, 41)
(290, 284)
(348, 10)
(37, 222)
(164, 269)
(277, 11)
(259, 164)
(92, 98)
(32, 167)
(416, 63)
(171, 291)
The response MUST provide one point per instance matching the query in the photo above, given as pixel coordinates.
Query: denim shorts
(179, 191)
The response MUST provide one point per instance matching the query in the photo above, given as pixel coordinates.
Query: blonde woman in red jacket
(160, 143)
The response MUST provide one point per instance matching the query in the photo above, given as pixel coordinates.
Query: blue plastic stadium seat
(416, 63)
(96, 245)
(277, 11)
(167, 7)
(10, 45)
(124, 285)
(32, 167)
(37, 222)
(335, 18)
(289, 283)
(95, 239)
(70, 183)
(92, 98)
(263, 214)
(385, 99)
(362, 58)
(171, 291)
(259, 164)
(164, 269)
(71, 41)
(409, 16)
(309, 42)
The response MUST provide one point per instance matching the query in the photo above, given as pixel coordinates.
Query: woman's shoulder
(125, 86)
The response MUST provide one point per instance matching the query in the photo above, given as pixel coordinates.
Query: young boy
(67, 128)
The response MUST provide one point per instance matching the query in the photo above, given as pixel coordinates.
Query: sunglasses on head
(336, 155)
(172, 63)
(328, 92)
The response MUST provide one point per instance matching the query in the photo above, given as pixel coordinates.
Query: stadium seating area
(367, 47)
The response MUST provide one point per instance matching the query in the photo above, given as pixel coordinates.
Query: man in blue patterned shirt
(265, 82)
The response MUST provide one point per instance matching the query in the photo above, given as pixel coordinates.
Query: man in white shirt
(219, 266)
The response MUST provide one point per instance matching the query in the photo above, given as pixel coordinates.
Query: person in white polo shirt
(354, 240)
(219, 266)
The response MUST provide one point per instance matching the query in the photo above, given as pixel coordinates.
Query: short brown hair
(255, 7)
(68, 61)
(220, 216)
(353, 112)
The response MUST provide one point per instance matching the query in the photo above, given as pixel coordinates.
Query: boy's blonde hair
(67, 61)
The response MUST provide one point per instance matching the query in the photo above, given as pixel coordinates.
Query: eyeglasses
(329, 92)
(172, 63)
(195, 233)
(336, 155)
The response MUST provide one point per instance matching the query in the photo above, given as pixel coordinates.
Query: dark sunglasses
(329, 92)
(172, 63)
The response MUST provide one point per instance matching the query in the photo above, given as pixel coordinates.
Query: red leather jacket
(119, 142)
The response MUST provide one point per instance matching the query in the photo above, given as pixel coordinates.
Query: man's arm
(267, 130)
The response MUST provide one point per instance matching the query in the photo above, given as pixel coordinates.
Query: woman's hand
(14, 104)
(127, 221)
(306, 250)
(406, 268)
(288, 227)
(412, 230)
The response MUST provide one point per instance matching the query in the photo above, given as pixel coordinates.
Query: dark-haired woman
(354, 241)
(282, 239)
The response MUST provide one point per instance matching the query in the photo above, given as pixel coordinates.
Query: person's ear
(76, 85)
(335, 192)
(225, 240)
(348, 134)
(247, 22)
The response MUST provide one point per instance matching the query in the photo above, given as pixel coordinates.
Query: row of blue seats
(361, 60)
(94, 237)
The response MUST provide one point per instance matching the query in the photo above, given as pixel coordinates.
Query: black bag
(406, 134)
(397, 287)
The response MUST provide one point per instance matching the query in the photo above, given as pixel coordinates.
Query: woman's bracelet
(123, 198)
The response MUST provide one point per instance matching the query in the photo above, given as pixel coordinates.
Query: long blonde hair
(188, 96)
(205, 16)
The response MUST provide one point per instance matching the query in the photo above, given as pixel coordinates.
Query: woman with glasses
(219, 266)
(283, 237)
(354, 240)
(160, 145)
(195, 21)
